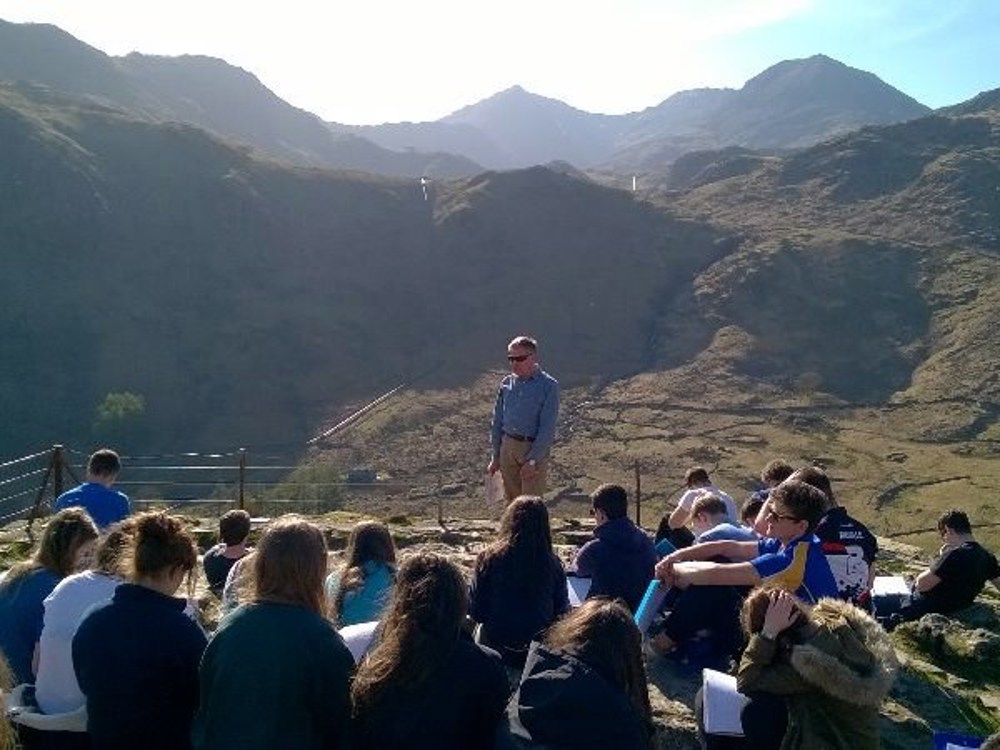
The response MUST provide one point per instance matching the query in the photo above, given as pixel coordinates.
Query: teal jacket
(363, 604)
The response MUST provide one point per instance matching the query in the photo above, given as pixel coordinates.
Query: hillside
(202, 91)
(833, 305)
(850, 321)
(323, 285)
(837, 302)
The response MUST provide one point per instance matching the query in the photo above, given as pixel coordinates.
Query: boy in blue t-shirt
(104, 504)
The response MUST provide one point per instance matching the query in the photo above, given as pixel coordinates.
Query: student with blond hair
(276, 673)
(56, 688)
(67, 541)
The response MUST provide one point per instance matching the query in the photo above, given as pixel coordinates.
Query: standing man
(524, 421)
(104, 505)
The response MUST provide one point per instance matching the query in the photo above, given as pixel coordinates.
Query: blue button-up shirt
(528, 407)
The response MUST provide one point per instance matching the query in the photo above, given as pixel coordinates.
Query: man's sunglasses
(518, 358)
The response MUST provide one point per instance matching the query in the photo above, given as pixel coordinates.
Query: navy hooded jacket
(619, 560)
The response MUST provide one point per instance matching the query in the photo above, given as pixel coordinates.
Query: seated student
(584, 686)
(955, 578)
(773, 474)
(360, 590)
(234, 528)
(136, 657)
(425, 685)
(518, 584)
(96, 496)
(832, 664)
(56, 688)
(276, 674)
(237, 581)
(849, 546)
(701, 627)
(710, 522)
(748, 513)
(789, 557)
(696, 480)
(621, 558)
(68, 540)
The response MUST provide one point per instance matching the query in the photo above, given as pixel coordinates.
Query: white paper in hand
(494, 489)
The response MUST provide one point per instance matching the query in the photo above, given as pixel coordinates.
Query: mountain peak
(823, 81)
(515, 95)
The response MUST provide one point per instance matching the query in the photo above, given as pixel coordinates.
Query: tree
(120, 419)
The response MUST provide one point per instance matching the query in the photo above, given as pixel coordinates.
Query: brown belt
(519, 438)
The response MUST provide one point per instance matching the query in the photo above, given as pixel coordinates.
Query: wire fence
(23, 481)
(198, 484)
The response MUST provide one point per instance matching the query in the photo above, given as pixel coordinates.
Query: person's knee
(765, 720)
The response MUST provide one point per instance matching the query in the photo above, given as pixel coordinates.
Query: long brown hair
(421, 627)
(602, 634)
(369, 541)
(290, 564)
(525, 539)
(64, 534)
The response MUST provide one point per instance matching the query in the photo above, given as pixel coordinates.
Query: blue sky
(391, 60)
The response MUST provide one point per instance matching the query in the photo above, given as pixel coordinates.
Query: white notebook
(722, 703)
(890, 586)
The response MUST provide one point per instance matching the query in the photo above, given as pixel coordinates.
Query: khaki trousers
(512, 453)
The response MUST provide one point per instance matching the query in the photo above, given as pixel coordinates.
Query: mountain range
(792, 104)
(248, 297)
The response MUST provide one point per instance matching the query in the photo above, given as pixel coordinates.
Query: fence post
(57, 470)
(638, 495)
(243, 472)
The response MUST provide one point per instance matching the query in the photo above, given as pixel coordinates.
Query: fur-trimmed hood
(850, 658)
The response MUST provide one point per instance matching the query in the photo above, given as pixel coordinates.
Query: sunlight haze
(389, 61)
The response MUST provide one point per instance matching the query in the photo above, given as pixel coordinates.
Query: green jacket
(274, 676)
(834, 682)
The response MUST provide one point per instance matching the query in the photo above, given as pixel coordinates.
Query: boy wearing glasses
(711, 590)
(524, 421)
(790, 556)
